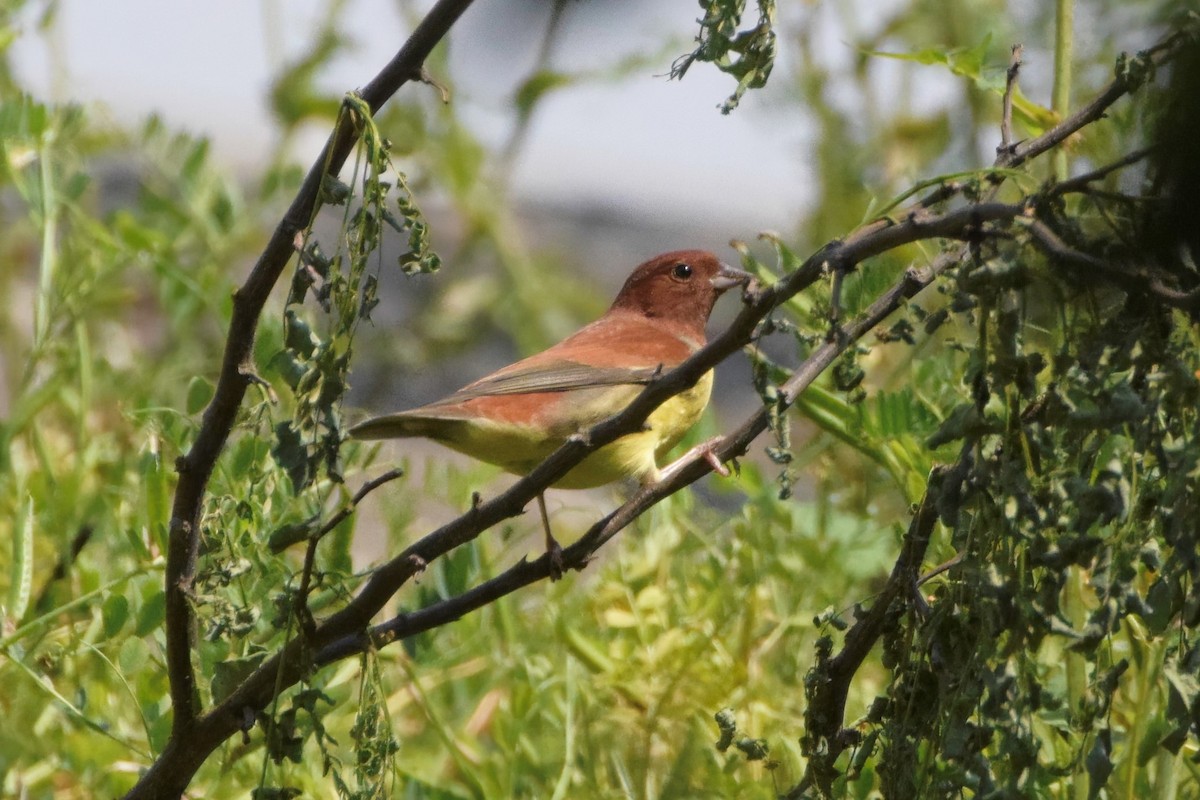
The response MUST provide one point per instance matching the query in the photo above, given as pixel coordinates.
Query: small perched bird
(518, 415)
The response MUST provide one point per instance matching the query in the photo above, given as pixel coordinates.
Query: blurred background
(625, 142)
(566, 154)
(565, 143)
(150, 147)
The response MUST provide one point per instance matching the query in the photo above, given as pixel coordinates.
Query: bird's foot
(705, 450)
(554, 552)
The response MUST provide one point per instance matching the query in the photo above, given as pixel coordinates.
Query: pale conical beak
(728, 277)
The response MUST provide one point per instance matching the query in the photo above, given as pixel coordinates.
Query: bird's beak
(728, 277)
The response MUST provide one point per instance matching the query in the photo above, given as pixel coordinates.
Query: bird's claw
(554, 552)
(708, 455)
(705, 450)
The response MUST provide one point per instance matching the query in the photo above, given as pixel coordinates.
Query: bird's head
(681, 286)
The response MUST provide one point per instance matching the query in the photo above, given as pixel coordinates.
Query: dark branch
(825, 739)
(1082, 182)
(1122, 85)
(1130, 281)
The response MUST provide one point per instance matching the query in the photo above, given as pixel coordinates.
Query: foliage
(747, 55)
(1052, 655)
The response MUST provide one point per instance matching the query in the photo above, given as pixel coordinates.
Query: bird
(518, 415)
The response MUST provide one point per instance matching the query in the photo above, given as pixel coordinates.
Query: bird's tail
(403, 425)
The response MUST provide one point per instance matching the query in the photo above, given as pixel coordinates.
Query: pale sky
(639, 144)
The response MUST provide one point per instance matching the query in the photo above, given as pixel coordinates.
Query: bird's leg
(553, 548)
(705, 450)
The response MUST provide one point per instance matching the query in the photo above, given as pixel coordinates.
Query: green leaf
(538, 86)
(291, 453)
(21, 570)
(199, 393)
(134, 655)
(228, 675)
(968, 62)
(114, 613)
(152, 614)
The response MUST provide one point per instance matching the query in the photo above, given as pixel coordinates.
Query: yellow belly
(518, 449)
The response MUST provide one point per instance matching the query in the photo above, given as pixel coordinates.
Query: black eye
(682, 271)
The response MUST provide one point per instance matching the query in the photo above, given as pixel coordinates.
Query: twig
(1122, 85)
(310, 553)
(520, 132)
(1010, 85)
(1081, 182)
(945, 566)
(65, 560)
(359, 496)
(1129, 281)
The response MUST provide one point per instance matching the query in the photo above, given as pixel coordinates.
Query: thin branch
(65, 560)
(1122, 85)
(1129, 281)
(520, 132)
(1082, 182)
(945, 566)
(1010, 85)
(310, 553)
(359, 496)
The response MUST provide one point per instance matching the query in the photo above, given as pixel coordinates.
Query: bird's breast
(674, 418)
(508, 432)
(637, 455)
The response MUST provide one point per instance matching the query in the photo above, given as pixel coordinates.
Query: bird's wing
(508, 397)
(550, 376)
(585, 378)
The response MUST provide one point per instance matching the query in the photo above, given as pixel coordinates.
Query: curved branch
(1132, 282)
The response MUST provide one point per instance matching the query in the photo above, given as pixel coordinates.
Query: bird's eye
(682, 271)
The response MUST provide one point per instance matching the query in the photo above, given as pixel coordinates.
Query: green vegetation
(1015, 446)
